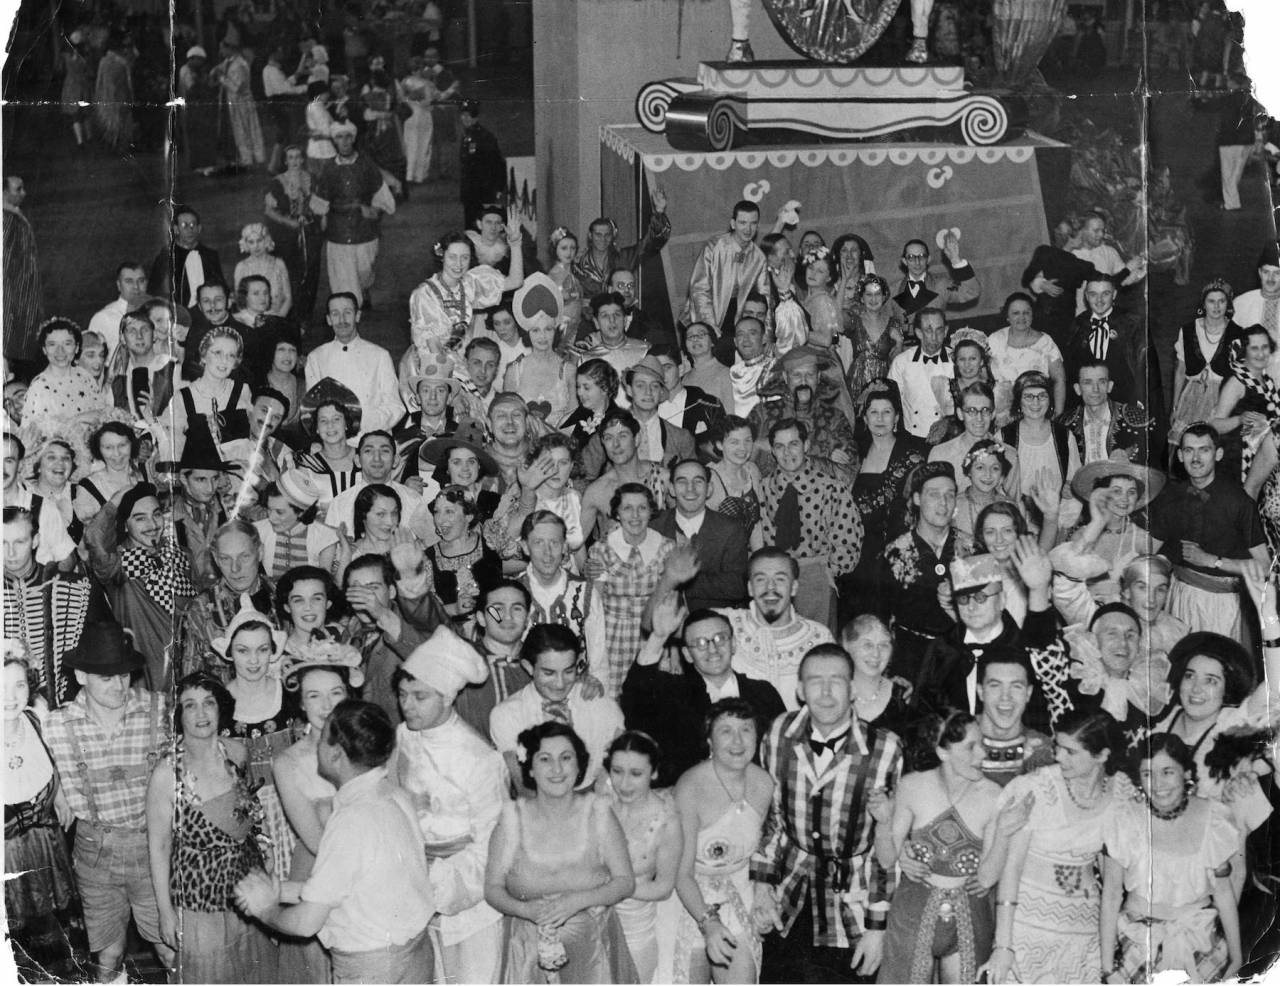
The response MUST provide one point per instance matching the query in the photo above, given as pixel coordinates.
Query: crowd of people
(811, 636)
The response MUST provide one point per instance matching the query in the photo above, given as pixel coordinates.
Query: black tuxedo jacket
(672, 708)
(722, 550)
(169, 273)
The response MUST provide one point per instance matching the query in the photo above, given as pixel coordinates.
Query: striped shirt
(819, 839)
(105, 775)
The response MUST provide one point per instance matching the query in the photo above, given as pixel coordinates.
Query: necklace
(875, 696)
(11, 745)
(729, 794)
(1102, 793)
(1169, 814)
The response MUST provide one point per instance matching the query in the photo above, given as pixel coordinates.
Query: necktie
(1271, 315)
(634, 558)
(1098, 331)
(559, 711)
(787, 520)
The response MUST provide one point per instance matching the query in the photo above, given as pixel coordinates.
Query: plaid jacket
(819, 838)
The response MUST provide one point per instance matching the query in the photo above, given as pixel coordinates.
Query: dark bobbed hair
(1238, 679)
(342, 409)
(365, 500)
(934, 733)
(309, 573)
(864, 248)
(60, 324)
(532, 739)
(1031, 380)
(1168, 743)
(1096, 731)
(545, 637)
(1016, 296)
(113, 428)
(732, 708)
(206, 681)
(626, 489)
(634, 741)
(363, 730)
(1000, 507)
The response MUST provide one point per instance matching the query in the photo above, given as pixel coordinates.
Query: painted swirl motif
(832, 31)
(652, 103)
(985, 123)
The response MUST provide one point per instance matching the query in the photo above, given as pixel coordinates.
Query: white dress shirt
(919, 387)
(365, 368)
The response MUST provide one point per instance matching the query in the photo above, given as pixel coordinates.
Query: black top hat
(106, 649)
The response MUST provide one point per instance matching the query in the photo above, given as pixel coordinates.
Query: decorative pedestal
(727, 103)
(888, 193)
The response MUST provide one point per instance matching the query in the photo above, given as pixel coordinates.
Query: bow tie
(1098, 323)
(935, 358)
(819, 746)
(1098, 335)
(914, 287)
(558, 711)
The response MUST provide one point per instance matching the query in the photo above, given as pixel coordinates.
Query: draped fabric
(1022, 33)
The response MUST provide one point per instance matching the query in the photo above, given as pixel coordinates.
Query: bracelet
(712, 913)
(1002, 948)
(1272, 642)
(1006, 903)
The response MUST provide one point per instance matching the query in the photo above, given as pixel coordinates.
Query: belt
(1206, 582)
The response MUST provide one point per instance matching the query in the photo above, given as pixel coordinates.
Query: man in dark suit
(180, 269)
(958, 287)
(1120, 341)
(1054, 278)
(672, 707)
(720, 544)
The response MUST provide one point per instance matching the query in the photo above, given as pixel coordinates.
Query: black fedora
(106, 649)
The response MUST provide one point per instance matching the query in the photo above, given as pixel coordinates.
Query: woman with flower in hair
(258, 244)
(564, 248)
(875, 327)
(443, 308)
(948, 830)
(1167, 900)
(597, 386)
(265, 716)
(558, 863)
(203, 830)
(321, 673)
(723, 803)
(1202, 350)
(43, 910)
(825, 320)
(985, 466)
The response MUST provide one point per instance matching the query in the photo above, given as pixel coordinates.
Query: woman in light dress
(418, 92)
(1017, 348)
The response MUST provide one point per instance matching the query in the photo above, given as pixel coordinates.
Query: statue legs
(920, 11)
(740, 44)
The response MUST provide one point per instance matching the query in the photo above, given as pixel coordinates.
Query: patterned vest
(569, 609)
(49, 616)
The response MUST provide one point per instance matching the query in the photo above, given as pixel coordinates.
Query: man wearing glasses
(977, 414)
(958, 287)
(954, 664)
(672, 707)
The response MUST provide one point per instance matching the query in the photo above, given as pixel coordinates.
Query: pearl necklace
(875, 697)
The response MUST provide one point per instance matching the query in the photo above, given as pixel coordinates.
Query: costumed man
(656, 331)
(806, 385)
(1210, 529)
(237, 557)
(914, 565)
(47, 612)
(364, 367)
(180, 269)
(54, 542)
(376, 456)
(672, 708)
(195, 504)
(482, 167)
(555, 594)
(725, 272)
(1261, 306)
(458, 784)
(1120, 341)
(503, 619)
(1006, 684)
(658, 440)
(819, 885)
(431, 414)
(554, 655)
(717, 542)
(952, 668)
(923, 373)
(22, 298)
(958, 288)
(770, 637)
(601, 257)
(147, 376)
(146, 575)
(610, 341)
(105, 744)
(1103, 428)
(752, 362)
(351, 191)
(807, 510)
(691, 408)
